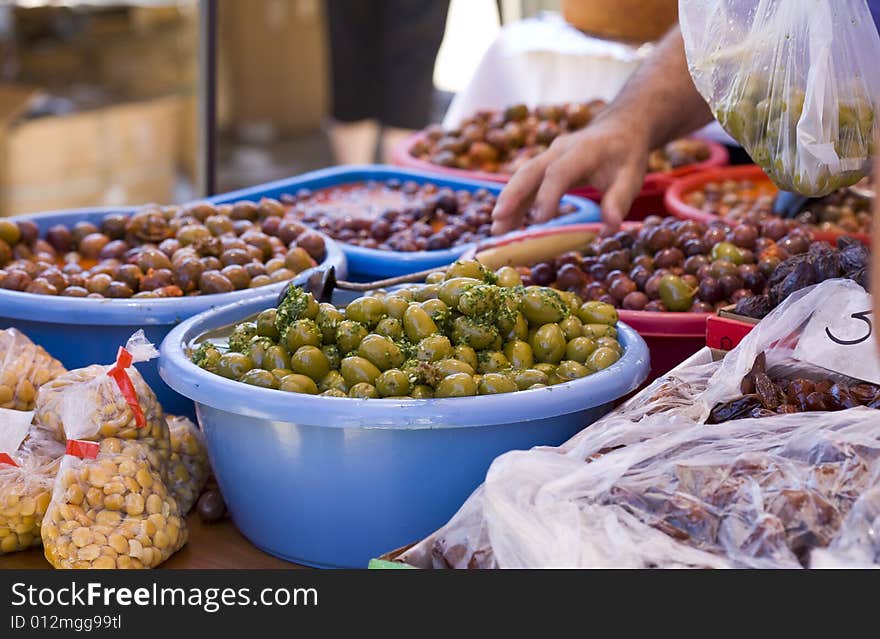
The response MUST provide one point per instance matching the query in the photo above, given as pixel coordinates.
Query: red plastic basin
(648, 202)
(671, 337)
(681, 187)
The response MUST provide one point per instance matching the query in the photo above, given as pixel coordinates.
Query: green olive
(537, 386)
(259, 377)
(602, 358)
(331, 352)
(334, 380)
(519, 328)
(266, 324)
(474, 334)
(435, 278)
(281, 373)
(519, 354)
(447, 367)
(466, 268)
(311, 361)
(580, 348)
(610, 342)
(492, 362)
(391, 328)
(357, 369)
(496, 383)
(240, 339)
(569, 369)
(276, 357)
(546, 368)
(529, 377)
(417, 324)
(727, 251)
(481, 301)
(508, 277)
(466, 354)
(572, 299)
(572, 327)
(434, 348)
(407, 295)
(328, 319)
(257, 351)
(333, 392)
(9, 232)
(296, 383)
(422, 391)
(303, 332)
(451, 290)
(598, 313)
(392, 383)
(456, 385)
(437, 309)
(675, 294)
(543, 306)
(595, 331)
(365, 310)
(363, 390)
(381, 352)
(426, 292)
(349, 335)
(395, 306)
(234, 365)
(548, 344)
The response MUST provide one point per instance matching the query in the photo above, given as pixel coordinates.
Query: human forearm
(660, 99)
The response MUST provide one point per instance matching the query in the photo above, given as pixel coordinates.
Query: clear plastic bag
(793, 81)
(110, 510)
(26, 479)
(24, 368)
(652, 485)
(97, 402)
(188, 469)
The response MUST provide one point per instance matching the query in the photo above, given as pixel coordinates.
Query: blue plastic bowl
(81, 331)
(333, 482)
(370, 264)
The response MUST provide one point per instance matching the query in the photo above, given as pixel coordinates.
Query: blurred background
(98, 100)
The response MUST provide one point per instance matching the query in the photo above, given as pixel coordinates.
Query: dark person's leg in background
(411, 33)
(353, 28)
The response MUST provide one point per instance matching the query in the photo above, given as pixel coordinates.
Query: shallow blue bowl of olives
(335, 481)
(82, 331)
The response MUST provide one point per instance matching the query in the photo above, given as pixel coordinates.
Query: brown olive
(297, 259)
(215, 282)
(28, 232)
(130, 275)
(260, 280)
(92, 244)
(150, 258)
(5, 253)
(98, 283)
(16, 280)
(156, 278)
(255, 268)
(148, 225)
(313, 244)
(41, 286)
(237, 275)
(118, 290)
(211, 263)
(244, 210)
(270, 207)
(211, 507)
(188, 273)
(289, 230)
(113, 226)
(235, 256)
(201, 210)
(74, 291)
(114, 249)
(60, 238)
(55, 277)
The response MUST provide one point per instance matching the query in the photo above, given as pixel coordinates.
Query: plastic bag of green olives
(794, 82)
(24, 367)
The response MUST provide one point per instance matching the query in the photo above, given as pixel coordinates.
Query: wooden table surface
(210, 546)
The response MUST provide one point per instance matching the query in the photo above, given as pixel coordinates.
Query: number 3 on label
(863, 316)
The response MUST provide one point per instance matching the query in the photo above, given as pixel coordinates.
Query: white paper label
(841, 337)
(14, 425)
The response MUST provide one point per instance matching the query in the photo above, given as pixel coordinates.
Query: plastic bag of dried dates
(110, 510)
(188, 468)
(758, 460)
(26, 479)
(24, 368)
(791, 81)
(106, 401)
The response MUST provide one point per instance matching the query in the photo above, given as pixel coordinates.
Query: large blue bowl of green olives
(337, 433)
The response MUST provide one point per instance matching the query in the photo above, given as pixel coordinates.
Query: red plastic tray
(724, 333)
(675, 194)
(671, 337)
(648, 202)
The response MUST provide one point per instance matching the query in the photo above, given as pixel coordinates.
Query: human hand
(611, 154)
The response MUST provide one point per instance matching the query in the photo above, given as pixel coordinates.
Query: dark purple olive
(710, 290)
(543, 274)
(635, 301)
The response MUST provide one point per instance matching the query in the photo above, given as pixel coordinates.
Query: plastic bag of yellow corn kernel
(188, 468)
(105, 401)
(26, 480)
(24, 368)
(110, 510)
